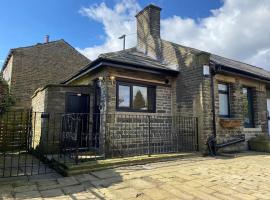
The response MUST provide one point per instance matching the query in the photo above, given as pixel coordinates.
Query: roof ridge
(213, 54)
(38, 44)
(114, 52)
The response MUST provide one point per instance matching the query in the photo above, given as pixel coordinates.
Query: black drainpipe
(212, 139)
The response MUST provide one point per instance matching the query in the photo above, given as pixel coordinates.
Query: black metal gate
(17, 157)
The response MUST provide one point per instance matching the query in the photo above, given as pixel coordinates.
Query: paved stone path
(245, 177)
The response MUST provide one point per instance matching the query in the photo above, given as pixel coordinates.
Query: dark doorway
(96, 114)
(77, 118)
(77, 103)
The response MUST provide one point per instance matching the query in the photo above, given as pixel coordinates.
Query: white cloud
(238, 29)
(116, 22)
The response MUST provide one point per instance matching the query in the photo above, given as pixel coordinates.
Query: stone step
(68, 169)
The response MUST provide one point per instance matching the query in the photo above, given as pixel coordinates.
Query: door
(77, 103)
(77, 109)
(268, 114)
(96, 114)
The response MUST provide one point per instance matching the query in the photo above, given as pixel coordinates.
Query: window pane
(140, 98)
(124, 96)
(223, 104)
(222, 87)
(247, 107)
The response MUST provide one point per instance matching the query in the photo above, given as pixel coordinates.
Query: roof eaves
(101, 61)
(224, 68)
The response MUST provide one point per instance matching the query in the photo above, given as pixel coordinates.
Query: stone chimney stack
(148, 30)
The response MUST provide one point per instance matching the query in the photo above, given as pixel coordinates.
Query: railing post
(77, 136)
(149, 135)
(197, 134)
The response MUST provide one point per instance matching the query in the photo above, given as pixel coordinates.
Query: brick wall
(39, 65)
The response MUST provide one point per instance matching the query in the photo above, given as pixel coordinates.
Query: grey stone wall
(39, 65)
(51, 100)
(236, 108)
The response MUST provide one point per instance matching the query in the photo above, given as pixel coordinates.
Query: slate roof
(237, 65)
(232, 64)
(133, 56)
(127, 57)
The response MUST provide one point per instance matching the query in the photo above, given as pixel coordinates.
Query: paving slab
(52, 193)
(244, 176)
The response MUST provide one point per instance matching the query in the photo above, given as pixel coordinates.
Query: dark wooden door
(78, 108)
(77, 103)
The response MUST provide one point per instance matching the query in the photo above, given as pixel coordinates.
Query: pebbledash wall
(48, 106)
(29, 68)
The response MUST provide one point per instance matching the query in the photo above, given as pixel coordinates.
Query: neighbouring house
(157, 80)
(28, 68)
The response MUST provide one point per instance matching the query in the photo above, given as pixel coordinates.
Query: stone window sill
(259, 129)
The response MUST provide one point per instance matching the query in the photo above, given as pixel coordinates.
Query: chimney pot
(47, 38)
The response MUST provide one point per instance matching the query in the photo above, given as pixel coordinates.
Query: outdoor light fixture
(79, 94)
(112, 78)
(206, 70)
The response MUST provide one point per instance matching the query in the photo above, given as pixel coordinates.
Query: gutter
(226, 69)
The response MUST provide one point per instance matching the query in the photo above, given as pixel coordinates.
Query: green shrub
(6, 99)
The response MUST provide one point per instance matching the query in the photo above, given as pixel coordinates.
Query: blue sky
(84, 24)
(26, 22)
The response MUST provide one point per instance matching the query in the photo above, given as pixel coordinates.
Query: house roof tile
(133, 56)
(237, 65)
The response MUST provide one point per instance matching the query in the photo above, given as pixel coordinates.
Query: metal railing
(30, 141)
(132, 135)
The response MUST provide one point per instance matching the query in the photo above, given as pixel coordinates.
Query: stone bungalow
(228, 97)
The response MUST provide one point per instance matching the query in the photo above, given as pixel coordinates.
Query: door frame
(96, 114)
(268, 114)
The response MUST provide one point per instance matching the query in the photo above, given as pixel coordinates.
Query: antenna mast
(124, 41)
